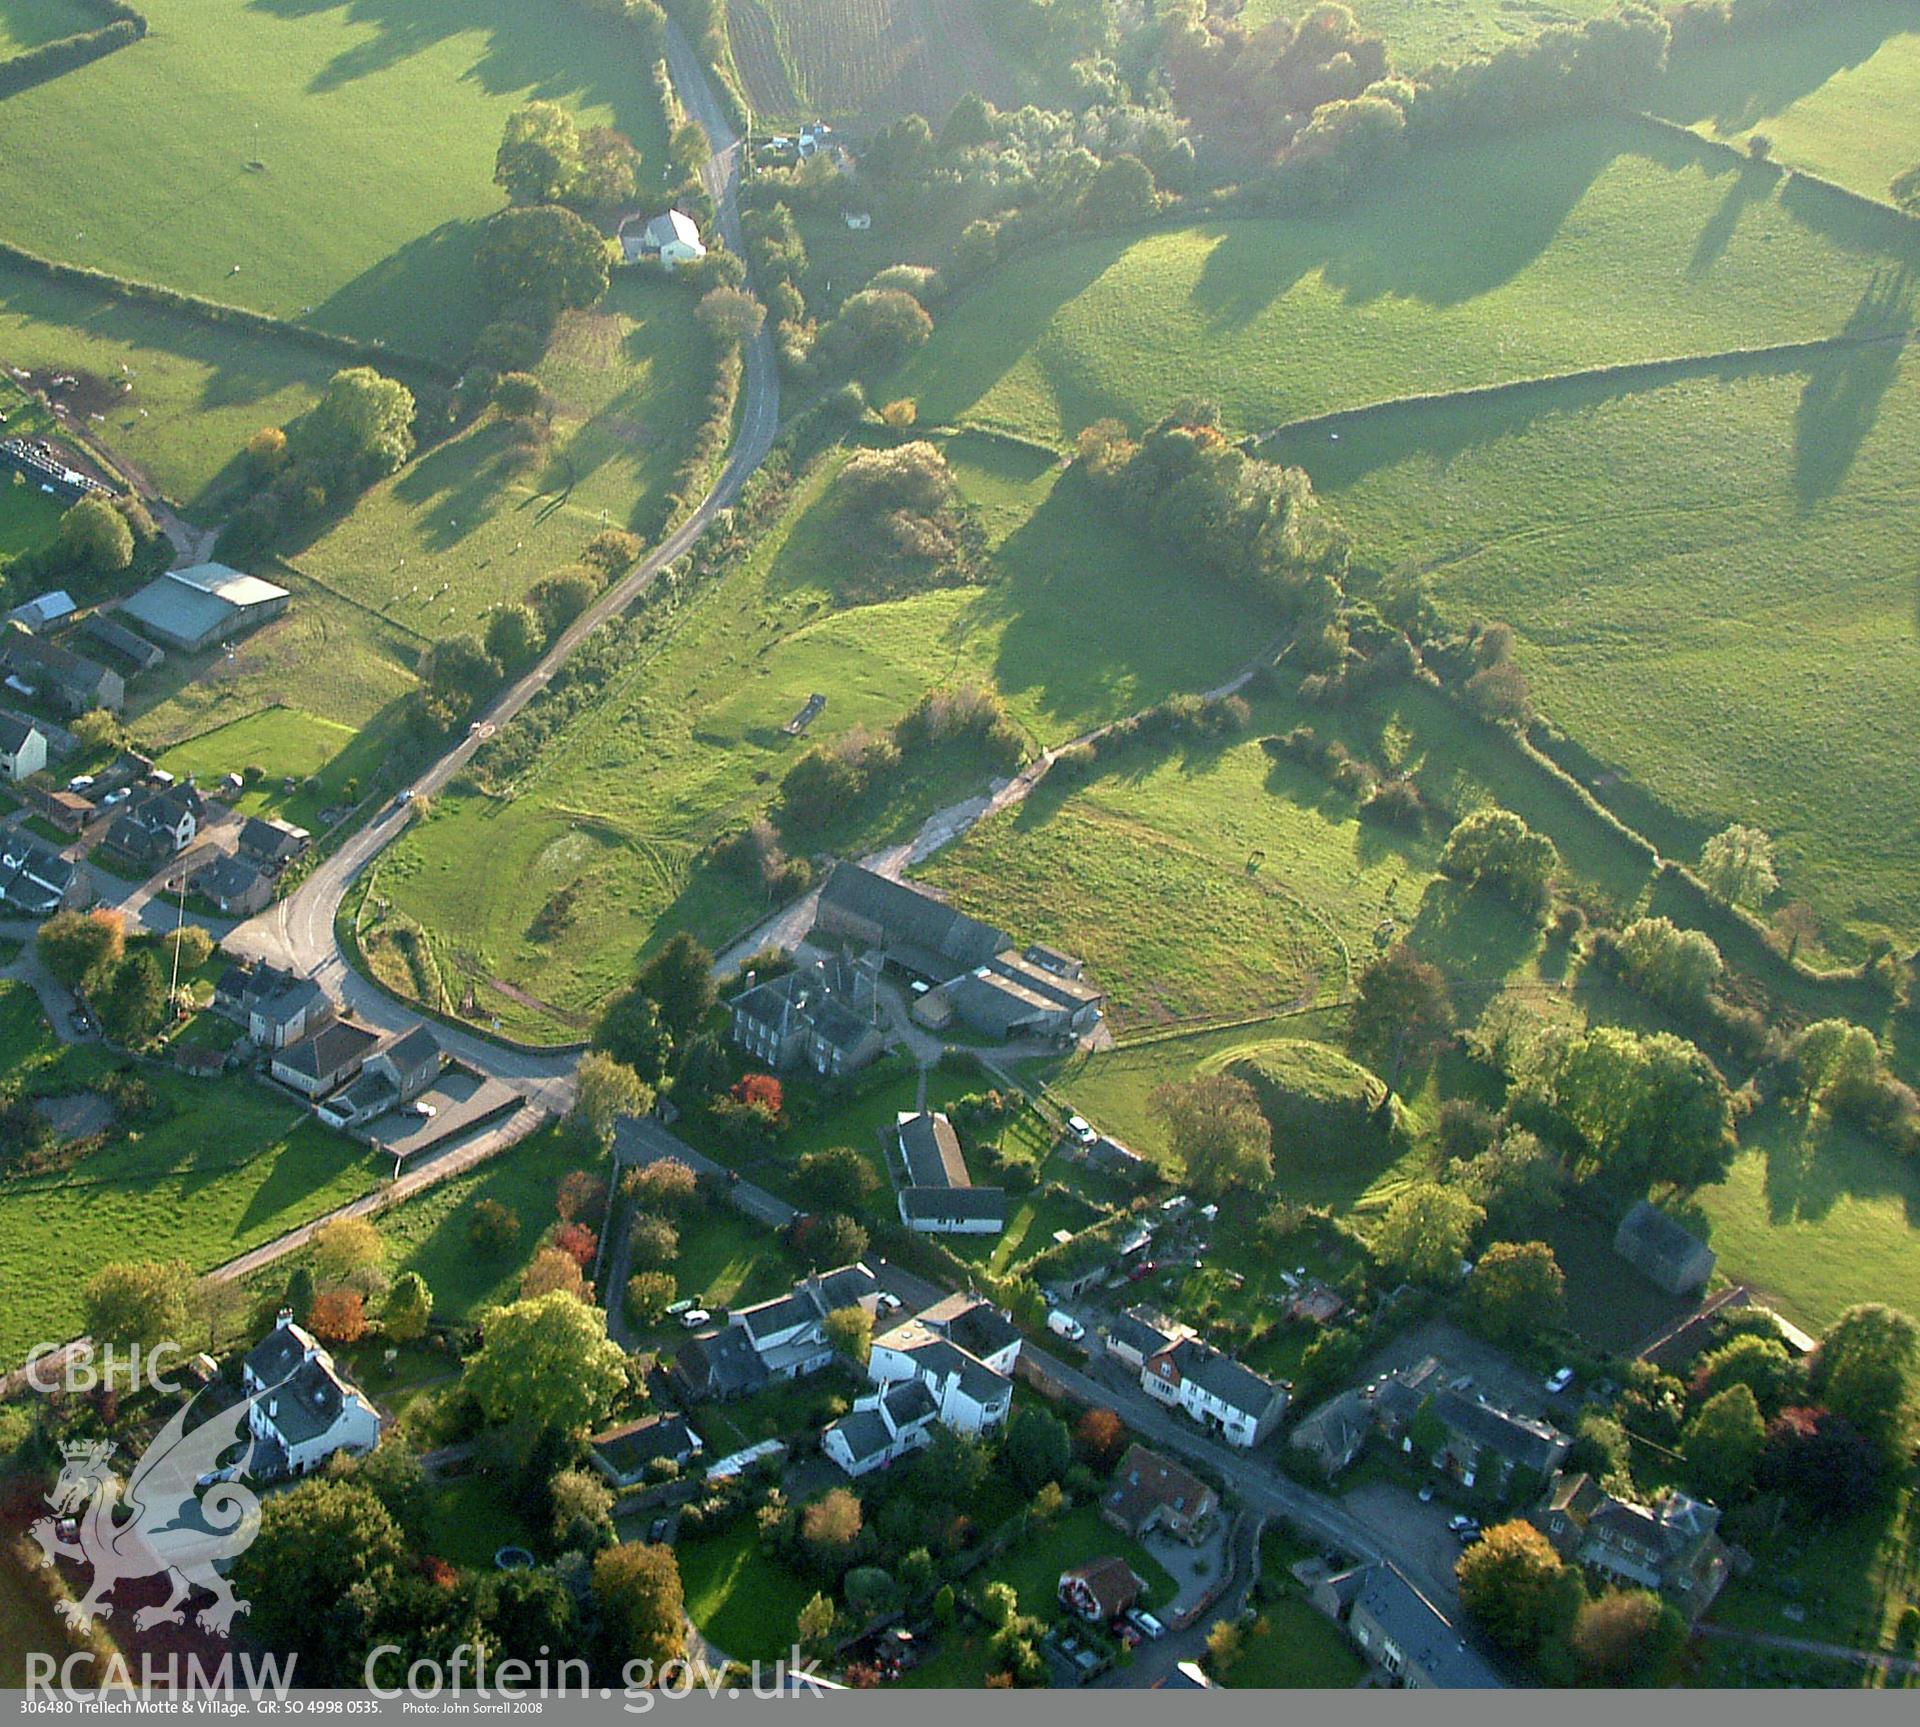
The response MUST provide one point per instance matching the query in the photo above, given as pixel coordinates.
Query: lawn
(469, 527)
(287, 743)
(1710, 583)
(1293, 1647)
(26, 24)
(744, 1604)
(471, 1519)
(28, 516)
(25, 1037)
(1074, 624)
(1833, 90)
(185, 396)
(1034, 1563)
(1568, 248)
(339, 161)
(233, 1167)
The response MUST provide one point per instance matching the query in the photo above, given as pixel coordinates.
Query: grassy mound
(1322, 1105)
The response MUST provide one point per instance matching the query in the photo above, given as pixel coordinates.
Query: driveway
(1494, 1373)
(1395, 1515)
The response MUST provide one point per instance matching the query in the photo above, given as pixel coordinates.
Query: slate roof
(1422, 1633)
(14, 732)
(1134, 1331)
(908, 1401)
(945, 1359)
(971, 1321)
(632, 1447)
(924, 933)
(954, 1204)
(865, 1433)
(1222, 1377)
(415, 1049)
(1522, 1441)
(326, 1051)
(1146, 1481)
(932, 1151)
(720, 1363)
(271, 840)
(228, 878)
(1651, 1239)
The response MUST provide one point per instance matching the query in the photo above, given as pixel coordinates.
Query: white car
(1145, 1623)
(888, 1302)
(1560, 1379)
(424, 1110)
(695, 1317)
(116, 797)
(80, 783)
(1081, 1129)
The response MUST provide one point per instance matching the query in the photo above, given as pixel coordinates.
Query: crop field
(871, 59)
(469, 526)
(1419, 32)
(26, 24)
(1710, 583)
(196, 394)
(1833, 92)
(1074, 625)
(338, 158)
(1587, 245)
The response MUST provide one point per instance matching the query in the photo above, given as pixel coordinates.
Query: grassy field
(1419, 32)
(1710, 586)
(467, 527)
(1292, 1646)
(287, 743)
(1575, 247)
(339, 158)
(233, 1167)
(26, 24)
(28, 517)
(871, 59)
(1833, 92)
(1074, 625)
(197, 393)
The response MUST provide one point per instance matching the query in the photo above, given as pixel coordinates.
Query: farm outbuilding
(195, 607)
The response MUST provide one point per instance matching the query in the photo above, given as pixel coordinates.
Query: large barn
(195, 607)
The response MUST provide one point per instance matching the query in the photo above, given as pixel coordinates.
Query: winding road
(298, 932)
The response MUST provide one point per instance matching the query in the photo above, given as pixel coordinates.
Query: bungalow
(23, 747)
(937, 1196)
(270, 843)
(669, 240)
(824, 1015)
(1400, 1631)
(71, 680)
(234, 885)
(325, 1059)
(1138, 1334)
(1099, 1591)
(972, 1397)
(1672, 1545)
(304, 1410)
(37, 880)
(1220, 1394)
(395, 1074)
(1665, 1252)
(626, 1455)
(1148, 1492)
(892, 1423)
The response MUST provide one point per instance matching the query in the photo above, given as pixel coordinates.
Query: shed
(1666, 1252)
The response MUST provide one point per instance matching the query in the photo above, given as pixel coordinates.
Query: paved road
(298, 931)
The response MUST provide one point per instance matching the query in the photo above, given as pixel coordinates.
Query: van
(1065, 1325)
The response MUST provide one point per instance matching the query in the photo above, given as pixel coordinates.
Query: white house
(937, 1195)
(894, 1422)
(669, 240)
(23, 747)
(394, 1074)
(1220, 1394)
(304, 1410)
(971, 1397)
(785, 1338)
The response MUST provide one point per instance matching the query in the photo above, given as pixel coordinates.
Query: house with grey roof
(392, 1076)
(271, 844)
(325, 1059)
(35, 880)
(1672, 1545)
(1137, 1334)
(157, 825)
(626, 1455)
(1336, 1433)
(824, 1014)
(1487, 1446)
(937, 1195)
(304, 1410)
(891, 1423)
(915, 932)
(781, 1339)
(234, 886)
(1664, 1251)
(277, 1007)
(1242, 1406)
(972, 1397)
(981, 1329)
(1406, 1637)
(71, 681)
(23, 747)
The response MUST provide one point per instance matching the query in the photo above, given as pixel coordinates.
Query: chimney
(284, 1319)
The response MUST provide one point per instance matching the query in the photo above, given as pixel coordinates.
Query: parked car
(116, 797)
(657, 1529)
(695, 1317)
(888, 1302)
(1426, 1493)
(80, 783)
(1145, 1623)
(1560, 1379)
(421, 1108)
(1466, 1530)
(686, 1304)
(1146, 1268)
(1065, 1325)
(1081, 1129)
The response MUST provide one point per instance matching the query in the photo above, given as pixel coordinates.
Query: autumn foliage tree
(1099, 1439)
(339, 1316)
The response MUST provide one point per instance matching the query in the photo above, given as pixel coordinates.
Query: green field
(233, 1167)
(26, 24)
(1710, 584)
(373, 127)
(465, 528)
(1074, 625)
(1419, 32)
(1834, 92)
(742, 1603)
(1580, 246)
(287, 743)
(28, 516)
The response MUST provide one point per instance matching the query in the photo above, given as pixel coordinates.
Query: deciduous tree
(1516, 1588)
(1427, 1231)
(605, 1090)
(1516, 1290)
(1723, 1442)
(642, 1606)
(547, 1362)
(1402, 1012)
(1217, 1131)
(1737, 866)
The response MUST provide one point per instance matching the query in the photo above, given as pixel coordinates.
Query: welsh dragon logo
(178, 1514)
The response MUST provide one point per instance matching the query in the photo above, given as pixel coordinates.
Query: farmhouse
(1100, 1590)
(38, 881)
(781, 1339)
(626, 1455)
(326, 1058)
(234, 885)
(824, 1014)
(74, 682)
(1220, 1394)
(194, 607)
(890, 1424)
(304, 1410)
(23, 747)
(395, 1074)
(271, 843)
(972, 1397)
(669, 240)
(1663, 1251)
(1399, 1630)
(913, 931)
(937, 1195)
(1673, 1545)
(1149, 1492)
(43, 611)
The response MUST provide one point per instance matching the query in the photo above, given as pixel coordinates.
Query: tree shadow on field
(423, 298)
(1842, 398)
(1812, 1165)
(1751, 185)
(539, 52)
(1471, 933)
(1737, 84)
(460, 483)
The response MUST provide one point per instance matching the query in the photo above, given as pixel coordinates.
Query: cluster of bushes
(101, 544)
(778, 258)
(36, 65)
(1392, 799)
(1840, 1068)
(1495, 848)
(546, 157)
(755, 855)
